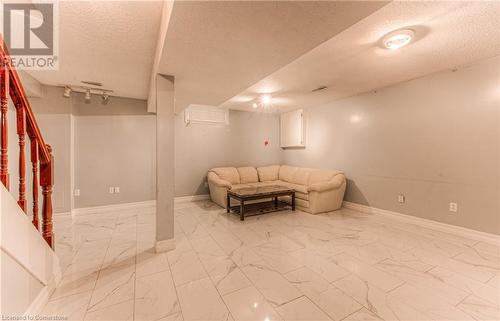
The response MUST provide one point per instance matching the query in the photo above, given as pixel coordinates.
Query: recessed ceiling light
(265, 99)
(398, 39)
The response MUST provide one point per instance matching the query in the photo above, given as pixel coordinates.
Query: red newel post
(21, 133)
(4, 93)
(47, 181)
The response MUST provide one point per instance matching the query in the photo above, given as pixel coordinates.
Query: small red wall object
(266, 142)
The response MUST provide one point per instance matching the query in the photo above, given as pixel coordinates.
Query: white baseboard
(62, 213)
(165, 245)
(43, 296)
(438, 226)
(113, 207)
(192, 198)
(127, 206)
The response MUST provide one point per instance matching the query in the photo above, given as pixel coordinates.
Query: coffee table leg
(276, 202)
(228, 206)
(242, 206)
(293, 201)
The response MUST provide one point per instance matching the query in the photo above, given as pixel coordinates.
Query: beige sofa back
(229, 174)
(285, 173)
(305, 176)
(248, 174)
(322, 175)
(268, 173)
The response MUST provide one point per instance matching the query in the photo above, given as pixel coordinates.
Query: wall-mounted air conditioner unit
(292, 129)
(203, 114)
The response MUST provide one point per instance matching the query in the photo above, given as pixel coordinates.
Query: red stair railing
(42, 161)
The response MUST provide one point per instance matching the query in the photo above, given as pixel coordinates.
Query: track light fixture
(67, 92)
(87, 96)
(88, 91)
(104, 98)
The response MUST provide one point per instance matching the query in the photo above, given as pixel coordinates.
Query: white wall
(114, 151)
(53, 117)
(433, 139)
(95, 146)
(200, 147)
(27, 264)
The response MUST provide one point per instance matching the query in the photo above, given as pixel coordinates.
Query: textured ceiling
(111, 42)
(216, 49)
(448, 35)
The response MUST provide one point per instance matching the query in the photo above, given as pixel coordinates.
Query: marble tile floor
(342, 265)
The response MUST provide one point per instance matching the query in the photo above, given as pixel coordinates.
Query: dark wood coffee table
(246, 194)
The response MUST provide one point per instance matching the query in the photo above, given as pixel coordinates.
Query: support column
(165, 130)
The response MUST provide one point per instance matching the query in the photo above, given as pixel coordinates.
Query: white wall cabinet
(292, 133)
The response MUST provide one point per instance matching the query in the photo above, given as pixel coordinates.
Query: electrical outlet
(453, 207)
(401, 198)
(76, 192)
(111, 190)
(117, 189)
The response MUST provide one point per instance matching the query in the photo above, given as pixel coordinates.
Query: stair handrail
(11, 85)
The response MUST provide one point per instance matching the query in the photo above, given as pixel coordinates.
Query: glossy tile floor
(283, 266)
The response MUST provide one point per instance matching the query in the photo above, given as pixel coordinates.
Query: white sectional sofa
(316, 190)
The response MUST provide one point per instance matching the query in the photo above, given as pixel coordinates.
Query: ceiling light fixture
(265, 99)
(87, 96)
(398, 39)
(67, 91)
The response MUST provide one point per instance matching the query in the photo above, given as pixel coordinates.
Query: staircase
(42, 161)
(30, 267)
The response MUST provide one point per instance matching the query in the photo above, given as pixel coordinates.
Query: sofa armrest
(334, 183)
(217, 181)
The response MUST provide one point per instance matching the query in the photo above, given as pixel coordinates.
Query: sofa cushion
(297, 187)
(268, 173)
(322, 175)
(302, 196)
(286, 173)
(248, 175)
(229, 174)
(301, 176)
(238, 186)
(304, 204)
